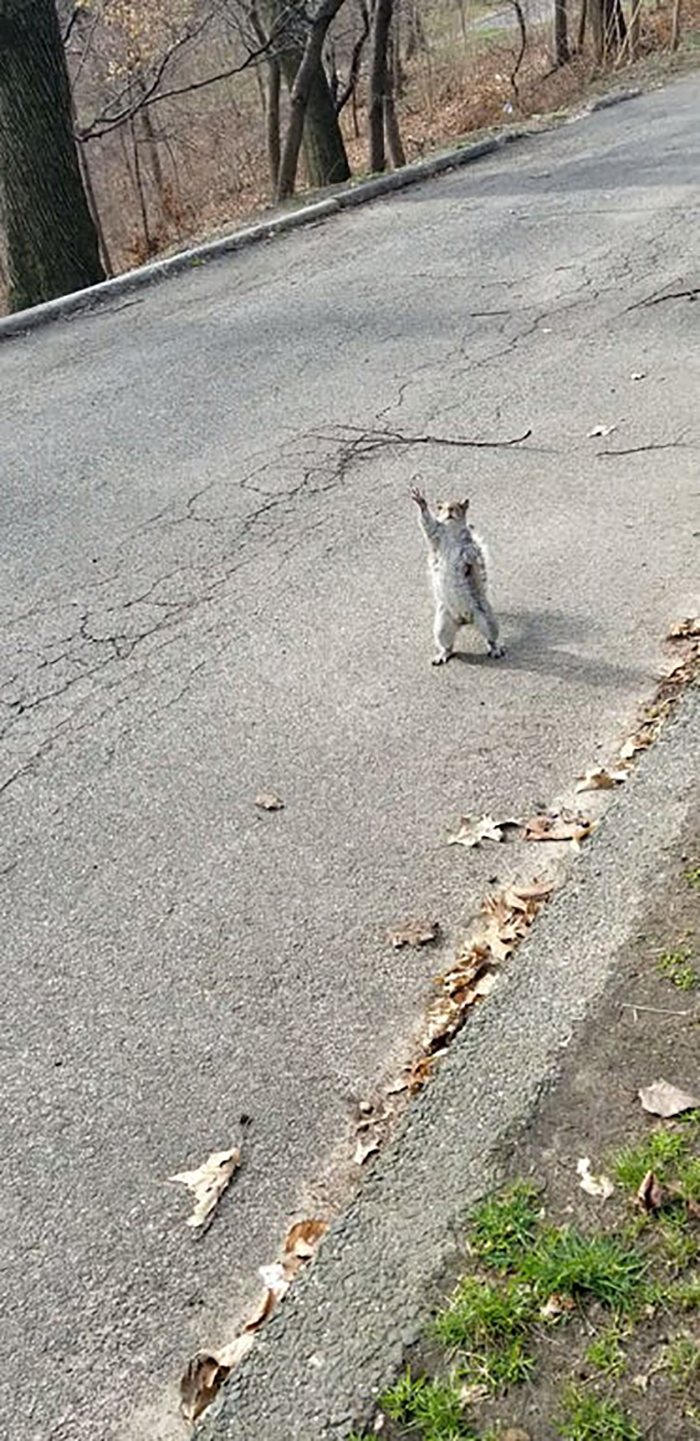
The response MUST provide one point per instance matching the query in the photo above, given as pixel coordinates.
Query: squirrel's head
(452, 510)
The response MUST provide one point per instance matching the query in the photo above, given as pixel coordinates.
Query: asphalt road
(205, 592)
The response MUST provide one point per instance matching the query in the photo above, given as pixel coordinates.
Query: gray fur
(458, 565)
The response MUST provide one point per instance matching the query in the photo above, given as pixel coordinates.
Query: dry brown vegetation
(183, 166)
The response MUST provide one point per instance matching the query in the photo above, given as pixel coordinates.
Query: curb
(346, 198)
(341, 1335)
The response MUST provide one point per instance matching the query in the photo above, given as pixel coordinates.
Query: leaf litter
(473, 830)
(602, 779)
(269, 801)
(206, 1372)
(563, 825)
(663, 1099)
(414, 933)
(208, 1183)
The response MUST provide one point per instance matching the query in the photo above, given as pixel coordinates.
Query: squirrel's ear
(465, 506)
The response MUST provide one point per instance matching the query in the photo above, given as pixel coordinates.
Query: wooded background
(172, 119)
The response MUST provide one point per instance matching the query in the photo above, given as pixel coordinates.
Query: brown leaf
(473, 830)
(663, 1099)
(557, 1305)
(209, 1182)
(268, 801)
(199, 1384)
(414, 933)
(303, 1237)
(601, 780)
(558, 826)
(420, 1072)
(538, 891)
(685, 628)
(650, 1195)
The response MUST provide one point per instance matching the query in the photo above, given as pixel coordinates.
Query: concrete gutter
(344, 198)
(341, 1333)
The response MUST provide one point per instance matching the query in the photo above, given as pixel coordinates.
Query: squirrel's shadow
(545, 641)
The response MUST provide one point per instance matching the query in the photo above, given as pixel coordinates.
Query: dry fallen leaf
(209, 1182)
(593, 1185)
(685, 629)
(472, 1392)
(268, 801)
(558, 826)
(414, 933)
(473, 830)
(303, 1237)
(538, 891)
(557, 1305)
(601, 780)
(663, 1099)
(601, 430)
(199, 1383)
(650, 1195)
(366, 1146)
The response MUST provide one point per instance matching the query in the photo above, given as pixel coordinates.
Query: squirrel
(458, 572)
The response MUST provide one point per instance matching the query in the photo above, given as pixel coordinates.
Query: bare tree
(299, 43)
(382, 114)
(310, 78)
(561, 33)
(52, 243)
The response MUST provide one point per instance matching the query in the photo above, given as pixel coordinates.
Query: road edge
(347, 197)
(341, 1334)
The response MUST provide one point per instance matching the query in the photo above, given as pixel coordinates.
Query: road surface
(208, 589)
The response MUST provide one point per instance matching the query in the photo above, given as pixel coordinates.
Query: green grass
(678, 1244)
(692, 877)
(566, 1261)
(478, 1313)
(587, 1418)
(678, 968)
(661, 1153)
(486, 1327)
(682, 1359)
(503, 1229)
(433, 1408)
(688, 1179)
(497, 1367)
(606, 1353)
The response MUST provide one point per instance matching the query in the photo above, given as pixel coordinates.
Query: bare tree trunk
(324, 148)
(583, 17)
(310, 100)
(609, 27)
(415, 34)
(379, 82)
(52, 243)
(94, 210)
(561, 33)
(676, 25)
(140, 193)
(397, 154)
(272, 121)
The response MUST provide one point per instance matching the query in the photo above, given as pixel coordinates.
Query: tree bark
(52, 245)
(379, 82)
(676, 25)
(324, 148)
(272, 121)
(561, 33)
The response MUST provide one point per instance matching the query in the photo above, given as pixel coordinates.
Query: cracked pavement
(211, 584)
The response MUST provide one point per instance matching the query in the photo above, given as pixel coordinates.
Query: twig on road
(678, 444)
(369, 440)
